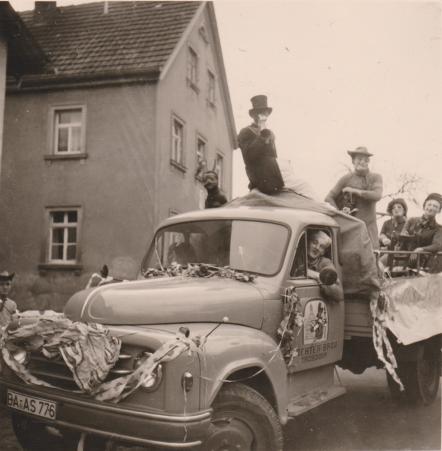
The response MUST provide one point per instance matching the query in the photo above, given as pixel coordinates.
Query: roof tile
(132, 35)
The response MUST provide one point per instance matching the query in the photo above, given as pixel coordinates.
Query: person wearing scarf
(392, 228)
(358, 191)
(8, 308)
(424, 234)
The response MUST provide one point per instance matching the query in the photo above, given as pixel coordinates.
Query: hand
(386, 241)
(313, 274)
(413, 257)
(350, 190)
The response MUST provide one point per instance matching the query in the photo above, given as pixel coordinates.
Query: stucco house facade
(107, 141)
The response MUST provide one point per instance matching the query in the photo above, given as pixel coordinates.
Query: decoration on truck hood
(89, 351)
(199, 270)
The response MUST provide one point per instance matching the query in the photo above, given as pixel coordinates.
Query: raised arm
(375, 193)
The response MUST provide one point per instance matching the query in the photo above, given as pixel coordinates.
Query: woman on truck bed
(424, 234)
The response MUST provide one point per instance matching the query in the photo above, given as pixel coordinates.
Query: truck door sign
(315, 322)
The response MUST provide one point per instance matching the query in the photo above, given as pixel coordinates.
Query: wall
(175, 96)
(113, 186)
(3, 59)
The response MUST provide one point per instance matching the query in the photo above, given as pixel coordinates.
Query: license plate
(30, 404)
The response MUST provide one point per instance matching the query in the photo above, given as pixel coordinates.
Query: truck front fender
(234, 348)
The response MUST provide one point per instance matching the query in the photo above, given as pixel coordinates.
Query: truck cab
(237, 389)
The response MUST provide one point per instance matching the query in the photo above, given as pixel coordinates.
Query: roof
(292, 216)
(24, 54)
(132, 37)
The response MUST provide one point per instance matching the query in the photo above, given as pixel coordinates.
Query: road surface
(363, 419)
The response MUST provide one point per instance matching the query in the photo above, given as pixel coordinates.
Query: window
(192, 68)
(201, 157)
(219, 169)
(68, 127)
(211, 88)
(255, 246)
(299, 268)
(63, 236)
(177, 141)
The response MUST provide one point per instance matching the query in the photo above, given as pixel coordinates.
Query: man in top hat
(8, 308)
(215, 198)
(258, 149)
(359, 191)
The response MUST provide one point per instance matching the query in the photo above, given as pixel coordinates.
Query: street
(363, 419)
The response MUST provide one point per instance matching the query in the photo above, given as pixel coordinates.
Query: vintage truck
(238, 390)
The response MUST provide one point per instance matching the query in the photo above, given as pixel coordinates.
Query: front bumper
(118, 422)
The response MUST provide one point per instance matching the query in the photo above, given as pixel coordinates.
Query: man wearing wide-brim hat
(258, 149)
(359, 191)
(8, 308)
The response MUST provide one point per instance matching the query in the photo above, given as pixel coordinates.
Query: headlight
(153, 380)
(21, 356)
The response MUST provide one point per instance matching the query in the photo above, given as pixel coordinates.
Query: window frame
(180, 164)
(211, 100)
(192, 72)
(200, 138)
(65, 225)
(221, 181)
(54, 128)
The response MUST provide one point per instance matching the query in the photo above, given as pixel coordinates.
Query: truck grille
(55, 372)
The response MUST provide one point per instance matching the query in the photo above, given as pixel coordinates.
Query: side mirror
(328, 276)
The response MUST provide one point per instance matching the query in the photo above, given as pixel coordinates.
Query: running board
(314, 398)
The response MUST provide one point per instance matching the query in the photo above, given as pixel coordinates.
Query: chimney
(44, 10)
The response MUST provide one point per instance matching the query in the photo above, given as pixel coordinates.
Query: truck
(240, 388)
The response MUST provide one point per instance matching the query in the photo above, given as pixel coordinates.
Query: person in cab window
(318, 243)
(424, 234)
(358, 192)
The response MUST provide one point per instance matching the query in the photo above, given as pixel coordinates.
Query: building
(106, 142)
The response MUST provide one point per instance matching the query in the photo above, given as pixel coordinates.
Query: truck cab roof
(291, 216)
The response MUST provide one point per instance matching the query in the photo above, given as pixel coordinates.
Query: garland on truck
(379, 306)
(88, 350)
(199, 270)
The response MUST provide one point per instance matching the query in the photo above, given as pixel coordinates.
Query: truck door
(319, 332)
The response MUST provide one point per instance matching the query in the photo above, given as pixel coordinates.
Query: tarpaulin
(414, 307)
(360, 275)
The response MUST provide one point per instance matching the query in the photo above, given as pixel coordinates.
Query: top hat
(5, 276)
(359, 151)
(259, 103)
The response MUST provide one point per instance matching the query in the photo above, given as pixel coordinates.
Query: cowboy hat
(5, 276)
(359, 151)
(259, 103)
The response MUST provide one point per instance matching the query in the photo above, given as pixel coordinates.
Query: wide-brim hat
(399, 201)
(434, 196)
(359, 151)
(259, 104)
(5, 275)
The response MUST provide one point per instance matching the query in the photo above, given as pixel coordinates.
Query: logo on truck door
(315, 322)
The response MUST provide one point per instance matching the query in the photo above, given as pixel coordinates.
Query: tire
(243, 420)
(420, 377)
(34, 436)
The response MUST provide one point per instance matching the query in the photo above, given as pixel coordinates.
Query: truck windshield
(252, 246)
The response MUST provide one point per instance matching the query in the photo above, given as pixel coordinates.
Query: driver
(318, 242)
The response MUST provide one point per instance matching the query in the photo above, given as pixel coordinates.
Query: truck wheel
(34, 436)
(243, 420)
(420, 377)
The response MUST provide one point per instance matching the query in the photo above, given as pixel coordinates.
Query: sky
(339, 74)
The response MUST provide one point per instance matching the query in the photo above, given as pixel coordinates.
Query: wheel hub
(229, 434)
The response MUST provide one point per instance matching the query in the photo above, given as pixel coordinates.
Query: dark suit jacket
(259, 154)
